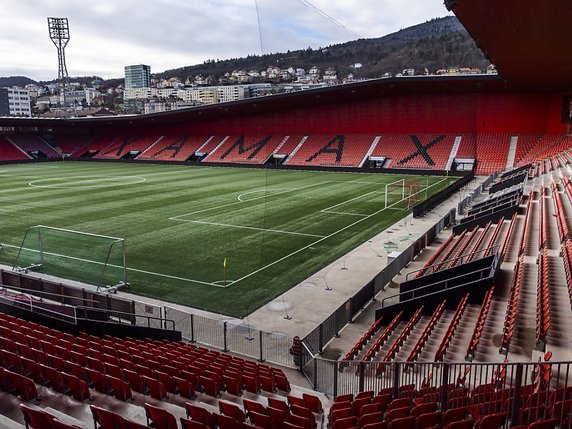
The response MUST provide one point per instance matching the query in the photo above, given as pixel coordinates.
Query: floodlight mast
(60, 35)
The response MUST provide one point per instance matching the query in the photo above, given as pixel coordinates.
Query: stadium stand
(343, 150)
(70, 145)
(34, 146)
(417, 151)
(253, 149)
(127, 147)
(173, 148)
(10, 152)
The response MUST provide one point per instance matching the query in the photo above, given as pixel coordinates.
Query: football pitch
(274, 228)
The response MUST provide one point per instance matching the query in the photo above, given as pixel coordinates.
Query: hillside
(433, 45)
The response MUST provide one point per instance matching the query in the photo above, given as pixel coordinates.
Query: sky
(107, 35)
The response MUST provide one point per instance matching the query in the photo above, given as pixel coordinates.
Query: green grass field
(275, 228)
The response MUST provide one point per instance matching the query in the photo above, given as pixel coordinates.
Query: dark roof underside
(529, 41)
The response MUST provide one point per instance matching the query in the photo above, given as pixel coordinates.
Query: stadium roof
(337, 93)
(527, 40)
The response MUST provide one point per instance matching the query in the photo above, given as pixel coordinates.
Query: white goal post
(90, 258)
(394, 188)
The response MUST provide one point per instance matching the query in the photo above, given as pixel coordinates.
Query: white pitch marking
(328, 209)
(258, 191)
(65, 184)
(241, 202)
(328, 236)
(117, 266)
(344, 213)
(250, 227)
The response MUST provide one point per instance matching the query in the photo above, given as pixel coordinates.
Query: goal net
(403, 194)
(88, 258)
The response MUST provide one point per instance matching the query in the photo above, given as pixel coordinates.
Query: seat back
(107, 419)
(162, 419)
(36, 418)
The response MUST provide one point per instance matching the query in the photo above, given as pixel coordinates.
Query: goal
(95, 259)
(403, 194)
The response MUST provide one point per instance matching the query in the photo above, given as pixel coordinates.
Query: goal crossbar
(86, 257)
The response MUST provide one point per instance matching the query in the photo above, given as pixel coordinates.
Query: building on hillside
(15, 102)
(137, 76)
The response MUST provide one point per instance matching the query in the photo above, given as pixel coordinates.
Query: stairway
(511, 152)
(296, 149)
(453, 153)
(370, 150)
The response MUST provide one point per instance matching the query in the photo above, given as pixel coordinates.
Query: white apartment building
(202, 95)
(15, 102)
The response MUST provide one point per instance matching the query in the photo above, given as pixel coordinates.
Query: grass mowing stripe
(188, 250)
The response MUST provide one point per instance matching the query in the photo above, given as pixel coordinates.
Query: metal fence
(511, 385)
(316, 340)
(466, 202)
(231, 335)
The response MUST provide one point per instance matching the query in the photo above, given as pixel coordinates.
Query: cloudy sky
(106, 35)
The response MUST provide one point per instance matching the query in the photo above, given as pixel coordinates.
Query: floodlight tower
(60, 35)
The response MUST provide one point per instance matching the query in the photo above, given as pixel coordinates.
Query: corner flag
(224, 269)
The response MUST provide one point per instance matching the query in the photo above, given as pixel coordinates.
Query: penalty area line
(328, 236)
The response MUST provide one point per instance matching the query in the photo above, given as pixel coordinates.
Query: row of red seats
(508, 236)
(435, 256)
(463, 248)
(511, 308)
(31, 143)
(560, 214)
(567, 257)
(426, 332)
(383, 412)
(45, 369)
(173, 148)
(447, 256)
(383, 337)
(479, 242)
(253, 149)
(18, 385)
(10, 152)
(400, 340)
(527, 220)
(440, 354)
(40, 419)
(364, 339)
(493, 239)
(196, 365)
(483, 401)
(333, 150)
(542, 299)
(481, 318)
(542, 237)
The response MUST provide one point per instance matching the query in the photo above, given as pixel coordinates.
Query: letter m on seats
(253, 148)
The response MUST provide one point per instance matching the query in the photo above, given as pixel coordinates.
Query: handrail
(438, 291)
(37, 292)
(112, 313)
(446, 261)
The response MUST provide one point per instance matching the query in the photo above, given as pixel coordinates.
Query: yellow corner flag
(224, 269)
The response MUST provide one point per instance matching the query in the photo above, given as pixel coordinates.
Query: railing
(71, 313)
(316, 340)
(65, 294)
(465, 202)
(325, 376)
(484, 252)
(413, 293)
(234, 335)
